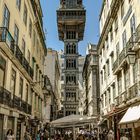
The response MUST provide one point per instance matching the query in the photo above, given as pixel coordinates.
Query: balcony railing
(125, 52)
(6, 37)
(16, 102)
(127, 95)
(5, 97)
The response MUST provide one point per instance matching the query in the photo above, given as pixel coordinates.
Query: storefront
(130, 123)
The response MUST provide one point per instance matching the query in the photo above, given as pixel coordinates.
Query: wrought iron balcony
(17, 102)
(7, 38)
(127, 95)
(126, 51)
(71, 15)
(5, 97)
(23, 106)
(18, 53)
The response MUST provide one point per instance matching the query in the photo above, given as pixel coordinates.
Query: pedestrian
(110, 135)
(10, 135)
(45, 135)
(38, 136)
(124, 137)
(27, 136)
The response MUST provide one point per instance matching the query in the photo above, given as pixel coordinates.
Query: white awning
(131, 115)
(73, 120)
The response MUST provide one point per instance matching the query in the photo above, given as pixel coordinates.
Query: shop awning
(73, 120)
(131, 115)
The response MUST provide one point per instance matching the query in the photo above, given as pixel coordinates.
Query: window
(13, 81)
(124, 38)
(116, 25)
(30, 27)
(132, 25)
(105, 99)
(62, 78)
(119, 83)
(104, 73)
(111, 34)
(108, 68)
(28, 57)
(71, 35)
(117, 50)
(25, 13)
(127, 78)
(71, 63)
(135, 72)
(122, 9)
(71, 3)
(109, 96)
(20, 87)
(70, 79)
(18, 4)
(2, 70)
(112, 59)
(26, 98)
(114, 91)
(70, 49)
(16, 34)
(101, 77)
(36, 72)
(34, 38)
(35, 102)
(6, 17)
(23, 46)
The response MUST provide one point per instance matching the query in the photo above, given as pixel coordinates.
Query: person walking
(27, 136)
(110, 135)
(10, 135)
(37, 136)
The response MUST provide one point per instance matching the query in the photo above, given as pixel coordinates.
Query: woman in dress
(10, 135)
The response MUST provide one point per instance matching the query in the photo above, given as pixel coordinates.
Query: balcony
(24, 106)
(6, 40)
(11, 49)
(128, 95)
(127, 51)
(17, 102)
(5, 97)
(71, 16)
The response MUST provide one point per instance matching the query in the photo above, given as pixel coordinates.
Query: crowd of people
(82, 135)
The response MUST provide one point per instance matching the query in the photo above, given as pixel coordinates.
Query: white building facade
(119, 63)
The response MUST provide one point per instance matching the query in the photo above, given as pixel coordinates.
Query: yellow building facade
(22, 52)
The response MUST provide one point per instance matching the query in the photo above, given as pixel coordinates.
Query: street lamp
(131, 57)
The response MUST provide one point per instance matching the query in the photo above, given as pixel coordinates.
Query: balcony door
(2, 71)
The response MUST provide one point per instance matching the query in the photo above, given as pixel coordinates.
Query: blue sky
(91, 34)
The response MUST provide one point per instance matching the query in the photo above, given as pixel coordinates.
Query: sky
(91, 35)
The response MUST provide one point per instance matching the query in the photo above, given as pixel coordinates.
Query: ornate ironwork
(5, 96)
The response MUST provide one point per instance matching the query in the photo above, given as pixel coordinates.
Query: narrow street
(69, 70)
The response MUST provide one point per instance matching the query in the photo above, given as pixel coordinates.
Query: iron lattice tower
(71, 17)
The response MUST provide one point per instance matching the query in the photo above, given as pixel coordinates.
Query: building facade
(71, 23)
(119, 65)
(52, 70)
(22, 51)
(91, 82)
